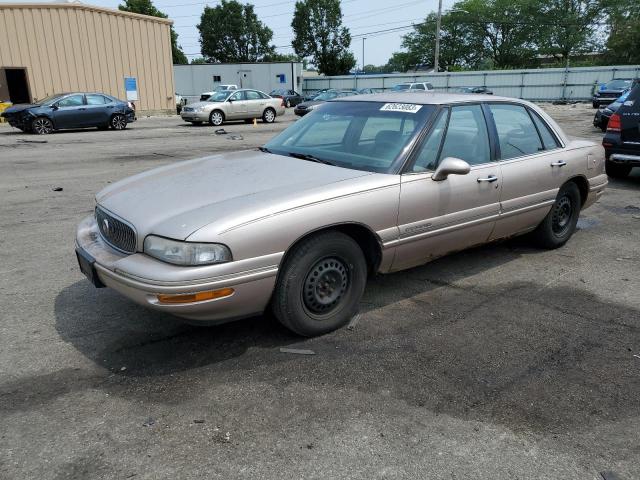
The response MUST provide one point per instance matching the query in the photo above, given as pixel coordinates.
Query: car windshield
(402, 86)
(278, 92)
(219, 96)
(618, 84)
(366, 136)
(324, 96)
(50, 99)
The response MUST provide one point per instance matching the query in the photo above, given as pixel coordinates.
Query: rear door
(534, 166)
(255, 103)
(71, 112)
(99, 109)
(439, 217)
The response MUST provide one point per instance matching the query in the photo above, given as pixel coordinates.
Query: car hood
(179, 199)
(311, 103)
(610, 91)
(20, 107)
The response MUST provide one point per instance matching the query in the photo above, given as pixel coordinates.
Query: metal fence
(543, 84)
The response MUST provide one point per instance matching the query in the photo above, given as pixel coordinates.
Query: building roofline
(229, 63)
(82, 6)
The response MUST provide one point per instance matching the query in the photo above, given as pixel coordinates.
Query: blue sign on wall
(131, 88)
(282, 77)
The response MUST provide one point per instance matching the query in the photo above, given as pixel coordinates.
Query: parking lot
(502, 362)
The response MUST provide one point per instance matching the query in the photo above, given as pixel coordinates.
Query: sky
(360, 16)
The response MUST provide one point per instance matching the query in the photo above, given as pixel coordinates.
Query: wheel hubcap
(42, 126)
(217, 118)
(269, 116)
(118, 122)
(562, 213)
(325, 285)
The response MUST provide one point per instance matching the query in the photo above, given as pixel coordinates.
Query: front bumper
(194, 116)
(252, 288)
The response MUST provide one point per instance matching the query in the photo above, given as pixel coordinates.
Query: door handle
(559, 163)
(490, 178)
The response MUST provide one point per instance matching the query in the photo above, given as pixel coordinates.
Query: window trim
(533, 114)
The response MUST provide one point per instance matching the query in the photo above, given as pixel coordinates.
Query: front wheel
(616, 170)
(42, 126)
(118, 122)
(560, 223)
(320, 284)
(269, 115)
(216, 118)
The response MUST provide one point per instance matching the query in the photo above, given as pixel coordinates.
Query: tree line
(475, 34)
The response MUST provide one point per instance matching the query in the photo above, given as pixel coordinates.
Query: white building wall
(192, 80)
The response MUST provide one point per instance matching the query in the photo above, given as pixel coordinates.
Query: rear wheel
(288, 103)
(216, 118)
(616, 170)
(320, 284)
(42, 126)
(560, 223)
(269, 115)
(118, 122)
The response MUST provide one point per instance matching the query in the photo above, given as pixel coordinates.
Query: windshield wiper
(311, 158)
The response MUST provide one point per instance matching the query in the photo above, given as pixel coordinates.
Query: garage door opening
(17, 84)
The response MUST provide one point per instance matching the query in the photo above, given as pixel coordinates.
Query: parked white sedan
(227, 105)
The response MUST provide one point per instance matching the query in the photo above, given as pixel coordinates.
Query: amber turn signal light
(196, 297)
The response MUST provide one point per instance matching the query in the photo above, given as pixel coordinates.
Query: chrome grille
(115, 232)
(188, 109)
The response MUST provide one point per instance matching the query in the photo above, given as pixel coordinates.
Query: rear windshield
(402, 86)
(366, 136)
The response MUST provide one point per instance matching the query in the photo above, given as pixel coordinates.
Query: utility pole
(436, 59)
(363, 64)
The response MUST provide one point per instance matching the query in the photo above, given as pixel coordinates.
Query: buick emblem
(105, 225)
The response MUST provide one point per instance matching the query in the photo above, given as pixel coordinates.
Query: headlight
(199, 109)
(186, 253)
(312, 107)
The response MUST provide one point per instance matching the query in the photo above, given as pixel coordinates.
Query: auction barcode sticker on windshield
(400, 107)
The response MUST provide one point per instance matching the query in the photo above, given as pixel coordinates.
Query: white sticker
(400, 107)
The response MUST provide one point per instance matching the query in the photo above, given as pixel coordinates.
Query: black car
(291, 97)
(71, 110)
(306, 107)
(483, 90)
(311, 95)
(611, 90)
(602, 116)
(622, 140)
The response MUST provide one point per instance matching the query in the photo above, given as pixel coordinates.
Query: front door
(238, 107)
(534, 166)
(438, 217)
(71, 112)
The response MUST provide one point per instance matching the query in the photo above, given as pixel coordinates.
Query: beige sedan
(362, 185)
(245, 104)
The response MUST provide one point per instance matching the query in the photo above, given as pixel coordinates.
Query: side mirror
(450, 166)
(54, 107)
(231, 100)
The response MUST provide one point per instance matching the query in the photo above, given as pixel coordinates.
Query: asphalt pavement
(501, 362)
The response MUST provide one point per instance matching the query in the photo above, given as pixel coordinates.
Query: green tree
(319, 35)
(232, 32)
(623, 43)
(146, 7)
(198, 61)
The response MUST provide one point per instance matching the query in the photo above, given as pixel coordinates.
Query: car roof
(426, 98)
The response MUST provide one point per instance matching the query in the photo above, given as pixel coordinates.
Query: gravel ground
(501, 362)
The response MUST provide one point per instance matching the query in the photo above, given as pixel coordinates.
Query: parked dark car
(602, 116)
(71, 110)
(607, 93)
(622, 140)
(311, 95)
(291, 97)
(484, 90)
(306, 107)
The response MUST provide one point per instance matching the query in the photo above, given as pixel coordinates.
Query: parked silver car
(364, 184)
(245, 104)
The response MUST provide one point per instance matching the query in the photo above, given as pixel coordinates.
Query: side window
(418, 86)
(263, 95)
(97, 100)
(237, 96)
(548, 138)
(517, 134)
(72, 101)
(428, 154)
(252, 95)
(467, 136)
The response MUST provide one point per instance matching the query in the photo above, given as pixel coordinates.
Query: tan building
(48, 48)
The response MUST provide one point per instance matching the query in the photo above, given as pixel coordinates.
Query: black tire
(616, 170)
(288, 103)
(320, 284)
(216, 118)
(118, 121)
(41, 126)
(269, 115)
(560, 223)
